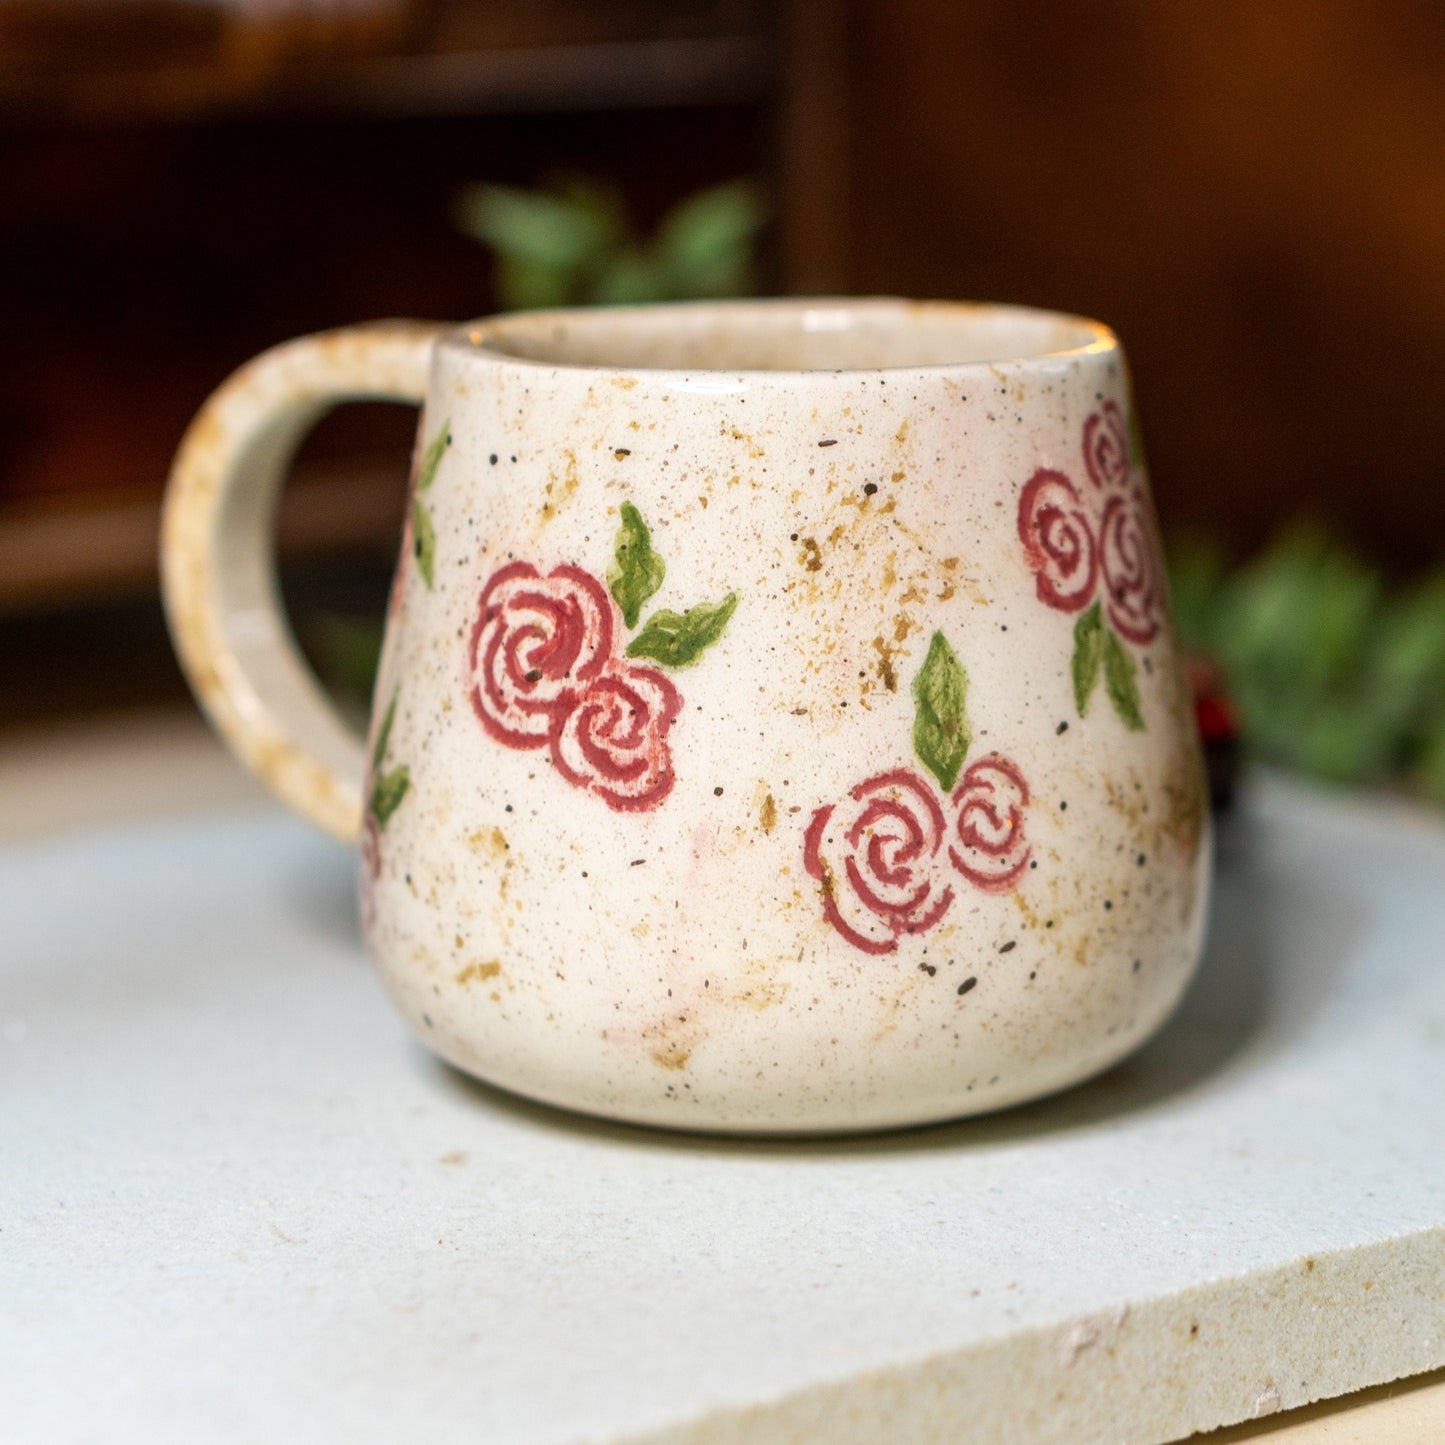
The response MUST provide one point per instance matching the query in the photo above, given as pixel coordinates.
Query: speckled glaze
(916, 829)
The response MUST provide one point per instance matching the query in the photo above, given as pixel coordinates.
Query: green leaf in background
(1120, 679)
(632, 277)
(1303, 610)
(706, 242)
(528, 285)
(1430, 764)
(637, 571)
(550, 245)
(1197, 569)
(1337, 739)
(1410, 651)
(345, 650)
(383, 733)
(1088, 656)
(1333, 675)
(387, 794)
(424, 541)
(560, 230)
(573, 244)
(676, 639)
(431, 458)
(941, 734)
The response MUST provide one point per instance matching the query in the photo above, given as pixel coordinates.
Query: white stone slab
(238, 1203)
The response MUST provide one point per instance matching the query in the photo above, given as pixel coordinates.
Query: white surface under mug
(778, 724)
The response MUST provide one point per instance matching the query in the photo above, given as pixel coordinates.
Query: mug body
(778, 724)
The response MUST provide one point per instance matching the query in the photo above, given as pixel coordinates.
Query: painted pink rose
(538, 642)
(987, 843)
(612, 739)
(877, 858)
(1058, 540)
(1133, 569)
(1106, 447)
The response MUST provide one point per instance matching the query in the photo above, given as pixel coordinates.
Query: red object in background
(1218, 723)
(1216, 719)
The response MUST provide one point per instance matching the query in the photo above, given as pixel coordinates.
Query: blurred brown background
(1253, 194)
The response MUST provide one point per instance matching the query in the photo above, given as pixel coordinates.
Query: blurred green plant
(1334, 673)
(573, 244)
(345, 650)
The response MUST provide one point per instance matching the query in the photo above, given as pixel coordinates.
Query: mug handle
(218, 558)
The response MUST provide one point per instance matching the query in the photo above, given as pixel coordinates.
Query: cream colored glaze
(674, 966)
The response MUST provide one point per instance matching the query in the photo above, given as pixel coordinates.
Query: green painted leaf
(383, 733)
(637, 571)
(431, 458)
(1119, 678)
(387, 793)
(1088, 655)
(941, 733)
(676, 639)
(424, 541)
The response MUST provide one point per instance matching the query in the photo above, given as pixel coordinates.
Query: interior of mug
(812, 335)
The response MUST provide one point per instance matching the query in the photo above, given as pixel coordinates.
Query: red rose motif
(612, 738)
(1106, 447)
(1072, 541)
(1133, 571)
(876, 857)
(988, 845)
(1058, 541)
(538, 642)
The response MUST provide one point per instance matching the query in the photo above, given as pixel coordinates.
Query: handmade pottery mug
(778, 725)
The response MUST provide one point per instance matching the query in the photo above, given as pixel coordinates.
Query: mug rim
(487, 338)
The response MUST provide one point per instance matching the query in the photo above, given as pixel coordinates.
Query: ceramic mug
(778, 724)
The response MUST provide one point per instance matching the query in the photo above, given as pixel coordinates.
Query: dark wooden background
(1251, 191)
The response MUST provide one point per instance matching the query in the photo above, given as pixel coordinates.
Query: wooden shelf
(159, 61)
(195, 181)
(607, 75)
